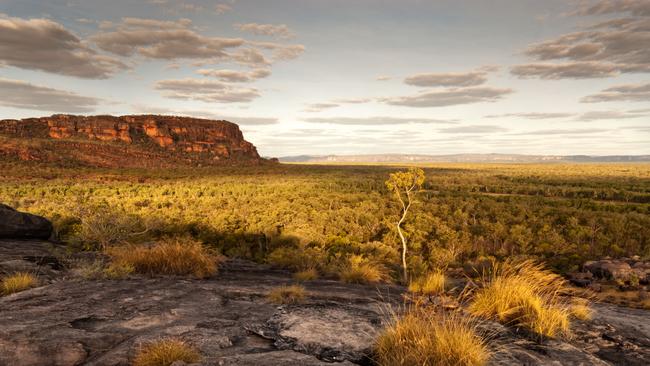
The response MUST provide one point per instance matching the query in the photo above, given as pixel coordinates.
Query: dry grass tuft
(165, 352)
(306, 275)
(358, 269)
(431, 284)
(580, 309)
(524, 294)
(293, 294)
(17, 282)
(427, 339)
(168, 257)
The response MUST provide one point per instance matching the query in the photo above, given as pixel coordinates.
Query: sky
(346, 76)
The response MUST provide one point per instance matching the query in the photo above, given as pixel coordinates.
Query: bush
(358, 269)
(18, 282)
(431, 284)
(118, 271)
(100, 227)
(427, 339)
(306, 275)
(293, 294)
(524, 294)
(179, 256)
(164, 353)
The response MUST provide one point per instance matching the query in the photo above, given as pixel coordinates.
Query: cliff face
(184, 138)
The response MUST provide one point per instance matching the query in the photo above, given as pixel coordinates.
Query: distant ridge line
(463, 158)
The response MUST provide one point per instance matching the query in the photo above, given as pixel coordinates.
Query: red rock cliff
(215, 140)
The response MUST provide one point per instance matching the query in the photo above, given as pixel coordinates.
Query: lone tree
(404, 185)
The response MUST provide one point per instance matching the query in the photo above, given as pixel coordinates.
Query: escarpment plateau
(126, 141)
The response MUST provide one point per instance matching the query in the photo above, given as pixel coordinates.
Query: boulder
(20, 225)
(609, 269)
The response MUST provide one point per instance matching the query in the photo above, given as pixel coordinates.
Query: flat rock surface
(227, 318)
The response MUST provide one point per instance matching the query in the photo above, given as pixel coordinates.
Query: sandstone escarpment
(140, 136)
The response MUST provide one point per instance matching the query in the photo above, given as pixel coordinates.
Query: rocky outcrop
(20, 225)
(624, 270)
(189, 138)
(70, 321)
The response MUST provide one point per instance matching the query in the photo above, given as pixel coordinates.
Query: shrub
(427, 339)
(431, 284)
(118, 271)
(358, 269)
(101, 226)
(179, 256)
(306, 275)
(293, 294)
(18, 282)
(526, 295)
(164, 353)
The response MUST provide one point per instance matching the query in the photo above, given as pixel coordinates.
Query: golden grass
(358, 269)
(165, 352)
(17, 282)
(580, 309)
(526, 295)
(427, 339)
(293, 294)
(184, 257)
(431, 284)
(306, 275)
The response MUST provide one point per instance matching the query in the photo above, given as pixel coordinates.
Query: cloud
(205, 90)
(20, 94)
(353, 100)
(240, 120)
(318, 107)
(458, 79)
(473, 129)
(605, 49)
(383, 78)
(235, 76)
(274, 30)
(608, 115)
(633, 93)
(162, 40)
(569, 70)
(533, 115)
(222, 8)
(448, 97)
(41, 44)
(574, 131)
(252, 121)
(280, 52)
(635, 7)
(376, 121)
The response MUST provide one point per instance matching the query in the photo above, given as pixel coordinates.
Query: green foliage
(317, 216)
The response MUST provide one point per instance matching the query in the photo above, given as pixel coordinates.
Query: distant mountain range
(462, 158)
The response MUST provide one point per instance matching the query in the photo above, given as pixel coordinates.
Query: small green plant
(293, 294)
(119, 270)
(17, 282)
(165, 352)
